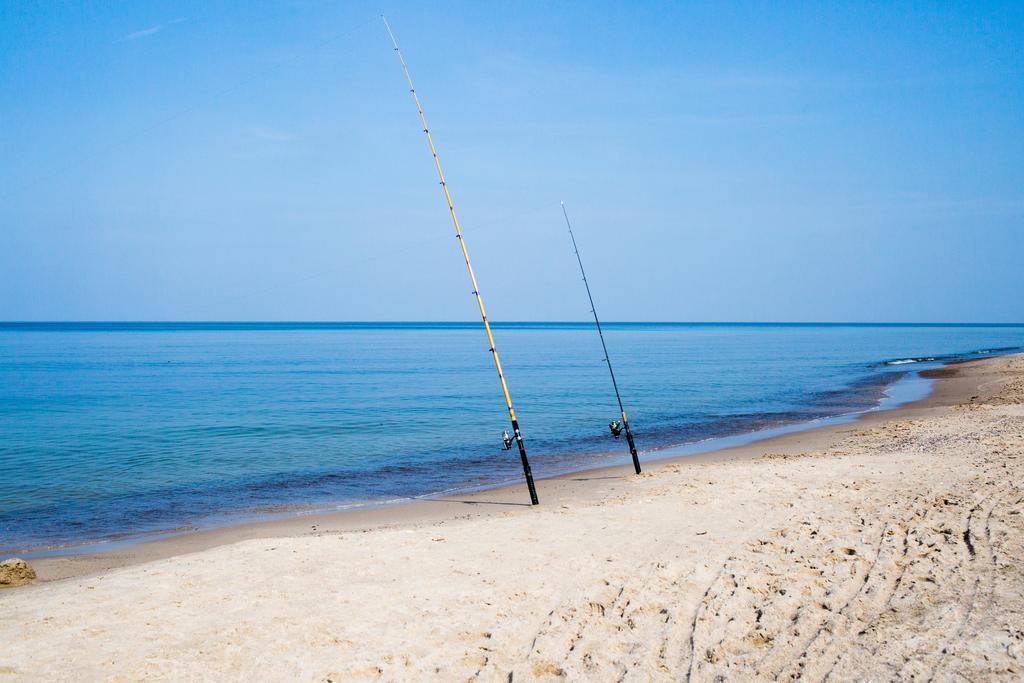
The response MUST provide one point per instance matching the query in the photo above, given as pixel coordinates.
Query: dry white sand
(891, 548)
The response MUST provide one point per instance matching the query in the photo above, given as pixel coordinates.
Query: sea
(112, 433)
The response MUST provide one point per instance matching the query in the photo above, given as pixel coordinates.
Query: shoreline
(653, 455)
(890, 547)
(97, 557)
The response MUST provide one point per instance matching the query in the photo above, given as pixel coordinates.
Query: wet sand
(886, 547)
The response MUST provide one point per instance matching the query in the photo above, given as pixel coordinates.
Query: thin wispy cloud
(146, 32)
(270, 134)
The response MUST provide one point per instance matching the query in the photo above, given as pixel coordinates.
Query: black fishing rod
(476, 290)
(615, 427)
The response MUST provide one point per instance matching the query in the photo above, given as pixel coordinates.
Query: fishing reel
(506, 440)
(615, 426)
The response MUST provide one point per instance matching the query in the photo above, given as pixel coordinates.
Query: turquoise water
(115, 430)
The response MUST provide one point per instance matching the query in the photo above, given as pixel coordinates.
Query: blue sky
(721, 161)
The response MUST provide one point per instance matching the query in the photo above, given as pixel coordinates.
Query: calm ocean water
(114, 430)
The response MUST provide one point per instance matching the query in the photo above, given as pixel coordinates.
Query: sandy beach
(891, 547)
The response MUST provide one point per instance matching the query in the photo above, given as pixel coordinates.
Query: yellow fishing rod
(614, 425)
(472, 277)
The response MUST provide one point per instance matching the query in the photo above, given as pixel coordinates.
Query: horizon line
(505, 322)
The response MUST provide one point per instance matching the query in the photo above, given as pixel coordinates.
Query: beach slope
(891, 547)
